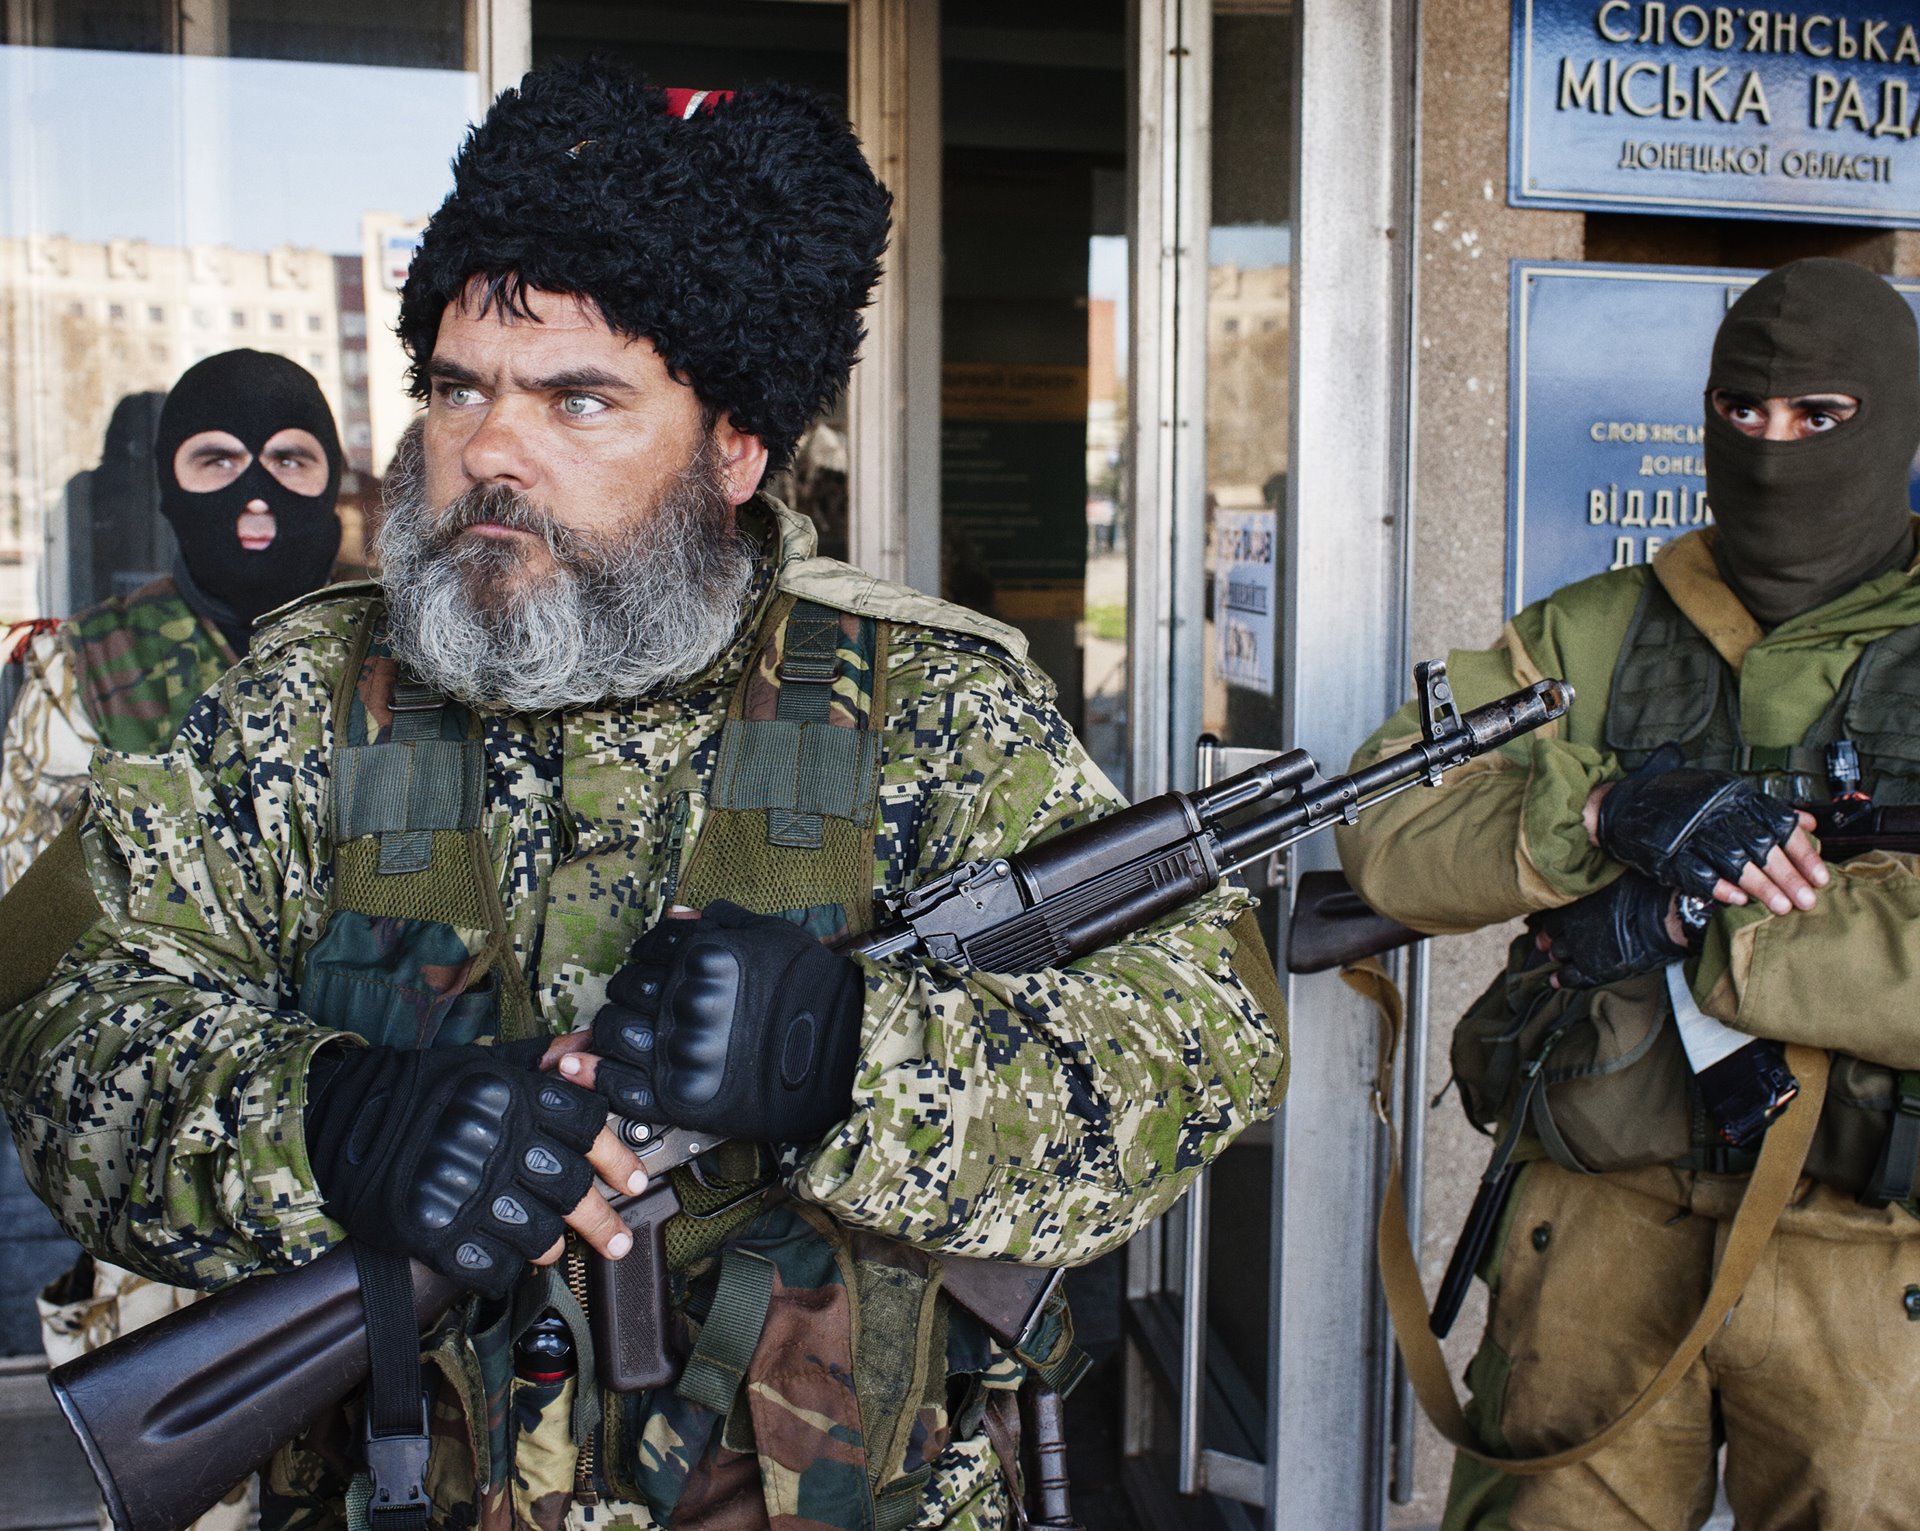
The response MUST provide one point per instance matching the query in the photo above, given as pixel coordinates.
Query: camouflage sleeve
(1045, 1116)
(43, 767)
(1501, 836)
(1832, 976)
(156, 1085)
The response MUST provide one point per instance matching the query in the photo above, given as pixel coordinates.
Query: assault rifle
(1847, 824)
(1850, 823)
(172, 1415)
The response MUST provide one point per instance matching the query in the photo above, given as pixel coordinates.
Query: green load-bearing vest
(1613, 1090)
(1670, 684)
(415, 952)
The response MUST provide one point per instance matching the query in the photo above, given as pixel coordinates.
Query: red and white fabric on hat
(684, 103)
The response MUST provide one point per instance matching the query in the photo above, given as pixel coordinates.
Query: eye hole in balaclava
(1800, 523)
(252, 396)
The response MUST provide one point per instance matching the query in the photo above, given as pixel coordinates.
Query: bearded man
(1651, 839)
(429, 836)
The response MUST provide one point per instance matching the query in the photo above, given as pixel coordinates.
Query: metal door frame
(893, 400)
(1343, 648)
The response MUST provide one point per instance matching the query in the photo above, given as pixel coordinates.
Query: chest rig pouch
(1670, 684)
(415, 953)
(788, 829)
(1596, 1079)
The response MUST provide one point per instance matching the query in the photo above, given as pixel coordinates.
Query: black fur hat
(742, 240)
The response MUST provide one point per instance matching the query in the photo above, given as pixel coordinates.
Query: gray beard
(620, 615)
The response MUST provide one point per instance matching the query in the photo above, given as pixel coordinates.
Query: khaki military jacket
(123, 673)
(1503, 837)
(156, 1086)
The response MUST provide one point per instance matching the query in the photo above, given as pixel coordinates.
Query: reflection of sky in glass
(1107, 278)
(1246, 245)
(1250, 245)
(251, 153)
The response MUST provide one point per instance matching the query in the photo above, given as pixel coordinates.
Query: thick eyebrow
(1830, 401)
(443, 371)
(570, 380)
(576, 380)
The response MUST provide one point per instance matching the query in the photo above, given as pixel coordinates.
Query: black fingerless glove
(737, 1024)
(1688, 828)
(466, 1158)
(1612, 934)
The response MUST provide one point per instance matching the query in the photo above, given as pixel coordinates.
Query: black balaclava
(253, 396)
(1803, 522)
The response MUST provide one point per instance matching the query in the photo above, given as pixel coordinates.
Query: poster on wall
(1245, 544)
(1732, 111)
(1607, 370)
(1013, 485)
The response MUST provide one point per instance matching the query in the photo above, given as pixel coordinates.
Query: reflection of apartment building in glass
(1249, 327)
(85, 325)
(1106, 426)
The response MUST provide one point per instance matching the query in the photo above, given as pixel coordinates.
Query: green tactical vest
(1669, 683)
(415, 952)
(1616, 1092)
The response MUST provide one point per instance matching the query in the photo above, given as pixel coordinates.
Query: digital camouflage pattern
(122, 673)
(156, 1086)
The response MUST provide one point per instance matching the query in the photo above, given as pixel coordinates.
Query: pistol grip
(628, 1297)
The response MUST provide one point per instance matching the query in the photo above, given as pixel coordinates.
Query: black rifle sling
(395, 1492)
(1893, 1176)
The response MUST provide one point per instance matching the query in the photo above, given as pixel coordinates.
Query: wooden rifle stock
(172, 1415)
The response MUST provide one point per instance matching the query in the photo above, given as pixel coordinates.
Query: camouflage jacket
(121, 673)
(156, 1085)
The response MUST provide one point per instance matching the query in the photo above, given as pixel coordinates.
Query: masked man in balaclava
(249, 465)
(1682, 929)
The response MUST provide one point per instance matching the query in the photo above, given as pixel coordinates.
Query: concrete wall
(1467, 236)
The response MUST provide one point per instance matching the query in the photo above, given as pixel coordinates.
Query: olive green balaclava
(1802, 522)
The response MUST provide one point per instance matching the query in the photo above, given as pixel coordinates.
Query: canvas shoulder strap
(1768, 1190)
(408, 789)
(794, 800)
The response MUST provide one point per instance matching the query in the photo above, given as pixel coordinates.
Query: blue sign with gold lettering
(1729, 110)
(1608, 369)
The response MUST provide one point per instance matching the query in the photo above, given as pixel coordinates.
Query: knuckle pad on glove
(472, 1157)
(637, 986)
(744, 1035)
(630, 1092)
(572, 1113)
(453, 1166)
(702, 1013)
(556, 1178)
(611, 1024)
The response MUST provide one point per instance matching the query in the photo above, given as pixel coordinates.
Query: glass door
(183, 180)
(1269, 400)
(1219, 79)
